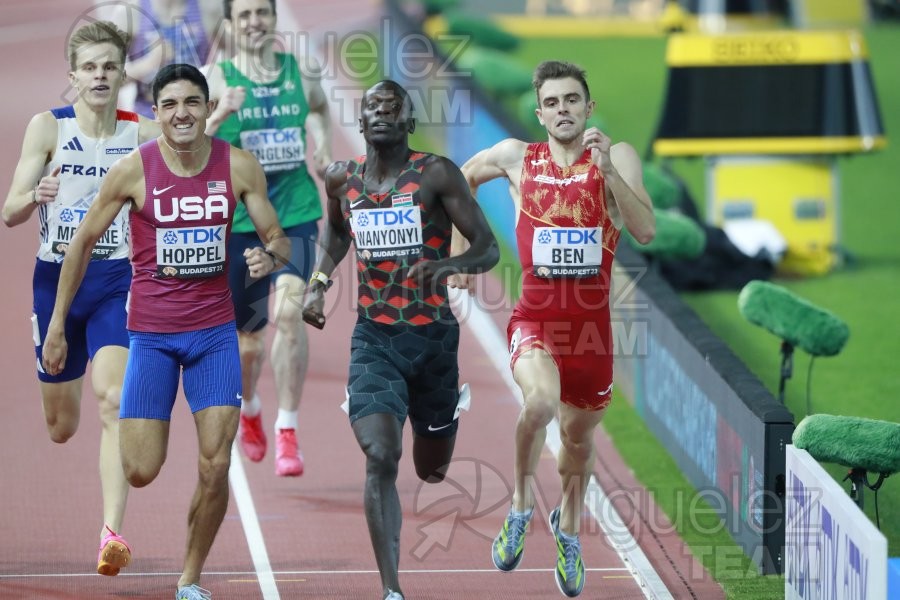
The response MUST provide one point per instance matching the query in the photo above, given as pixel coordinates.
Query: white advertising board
(832, 550)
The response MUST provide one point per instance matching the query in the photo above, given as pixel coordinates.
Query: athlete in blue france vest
(65, 156)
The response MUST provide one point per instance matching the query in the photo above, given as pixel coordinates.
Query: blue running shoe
(392, 595)
(192, 592)
(509, 545)
(569, 567)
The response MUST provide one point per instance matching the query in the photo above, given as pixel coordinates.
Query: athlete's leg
(536, 374)
(107, 374)
(253, 352)
(148, 395)
(378, 406)
(142, 444)
(251, 309)
(290, 347)
(576, 461)
(61, 403)
(216, 428)
(432, 457)
(380, 437)
(434, 399)
(211, 382)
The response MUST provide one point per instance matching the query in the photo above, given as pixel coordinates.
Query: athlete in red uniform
(182, 189)
(398, 207)
(572, 194)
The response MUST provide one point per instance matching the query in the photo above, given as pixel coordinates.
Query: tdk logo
(569, 237)
(68, 215)
(90, 171)
(274, 136)
(190, 208)
(200, 235)
(387, 218)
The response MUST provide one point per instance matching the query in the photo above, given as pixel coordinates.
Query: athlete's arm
(28, 189)
(443, 185)
(318, 121)
(119, 186)
(249, 183)
(147, 129)
(621, 168)
(503, 159)
(228, 100)
(334, 245)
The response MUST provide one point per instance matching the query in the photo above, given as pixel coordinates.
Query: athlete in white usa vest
(65, 155)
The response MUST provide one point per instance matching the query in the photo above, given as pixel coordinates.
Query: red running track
(287, 538)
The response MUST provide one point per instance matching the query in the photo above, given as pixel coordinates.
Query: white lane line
(599, 505)
(252, 530)
(308, 573)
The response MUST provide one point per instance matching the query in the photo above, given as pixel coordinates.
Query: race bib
(387, 233)
(65, 224)
(567, 251)
(190, 252)
(275, 149)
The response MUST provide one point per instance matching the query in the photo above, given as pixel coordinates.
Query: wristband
(321, 278)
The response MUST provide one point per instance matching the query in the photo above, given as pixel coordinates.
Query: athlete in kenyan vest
(565, 235)
(180, 237)
(271, 125)
(82, 163)
(391, 233)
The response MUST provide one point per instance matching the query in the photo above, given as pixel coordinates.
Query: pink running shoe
(252, 437)
(114, 554)
(288, 460)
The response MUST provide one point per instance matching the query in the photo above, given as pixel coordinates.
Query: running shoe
(569, 568)
(114, 554)
(392, 595)
(192, 592)
(288, 460)
(509, 545)
(252, 437)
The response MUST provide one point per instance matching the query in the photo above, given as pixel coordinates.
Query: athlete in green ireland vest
(267, 101)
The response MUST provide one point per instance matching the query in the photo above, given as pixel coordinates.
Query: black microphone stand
(859, 480)
(787, 367)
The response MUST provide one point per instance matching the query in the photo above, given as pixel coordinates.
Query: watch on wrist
(321, 278)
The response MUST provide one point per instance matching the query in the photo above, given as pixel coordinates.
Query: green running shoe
(509, 545)
(569, 567)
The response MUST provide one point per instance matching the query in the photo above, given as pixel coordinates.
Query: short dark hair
(226, 7)
(179, 72)
(398, 89)
(556, 69)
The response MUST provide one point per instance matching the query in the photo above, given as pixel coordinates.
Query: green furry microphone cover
(869, 444)
(792, 318)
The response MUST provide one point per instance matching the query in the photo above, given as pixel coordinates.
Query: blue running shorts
(251, 296)
(208, 357)
(406, 370)
(96, 318)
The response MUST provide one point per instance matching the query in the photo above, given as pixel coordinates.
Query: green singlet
(271, 125)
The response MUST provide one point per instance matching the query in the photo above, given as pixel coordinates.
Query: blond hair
(99, 32)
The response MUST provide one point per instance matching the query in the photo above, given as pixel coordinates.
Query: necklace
(201, 147)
